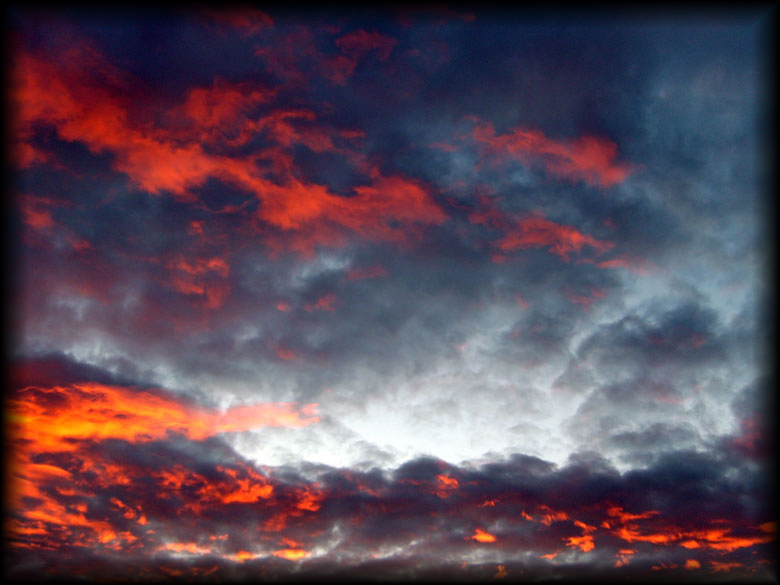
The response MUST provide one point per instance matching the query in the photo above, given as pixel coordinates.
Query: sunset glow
(401, 293)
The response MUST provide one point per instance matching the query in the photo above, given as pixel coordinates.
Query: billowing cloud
(176, 492)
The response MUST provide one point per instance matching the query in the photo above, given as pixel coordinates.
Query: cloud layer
(427, 294)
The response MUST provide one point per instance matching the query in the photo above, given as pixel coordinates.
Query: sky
(408, 293)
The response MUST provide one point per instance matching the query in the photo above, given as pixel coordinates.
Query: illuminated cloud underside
(332, 297)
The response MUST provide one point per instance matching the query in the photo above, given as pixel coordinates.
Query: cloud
(589, 159)
(522, 292)
(168, 159)
(182, 495)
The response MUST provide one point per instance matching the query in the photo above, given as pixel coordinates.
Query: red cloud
(537, 232)
(245, 19)
(353, 46)
(585, 300)
(172, 158)
(587, 159)
(361, 41)
(533, 231)
(375, 271)
(325, 303)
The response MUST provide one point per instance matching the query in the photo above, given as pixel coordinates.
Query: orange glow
(631, 535)
(52, 417)
(714, 538)
(584, 543)
(291, 554)
(549, 556)
(660, 566)
(692, 564)
(500, 572)
(252, 488)
(242, 556)
(587, 528)
(623, 557)
(718, 567)
(446, 485)
(447, 481)
(310, 500)
(549, 516)
(488, 503)
(283, 306)
(482, 536)
(617, 512)
(718, 539)
(56, 419)
(188, 547)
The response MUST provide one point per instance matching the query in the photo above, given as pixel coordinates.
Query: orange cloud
(242, 556)
(310, 499)
(54, 417)
(292, 554)
(584, 543)
(59, 420)
(725, 567)
(482, 536)
(446, 485)
(588, 159)
(713, 538)
(549, 516)
(719, 539)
